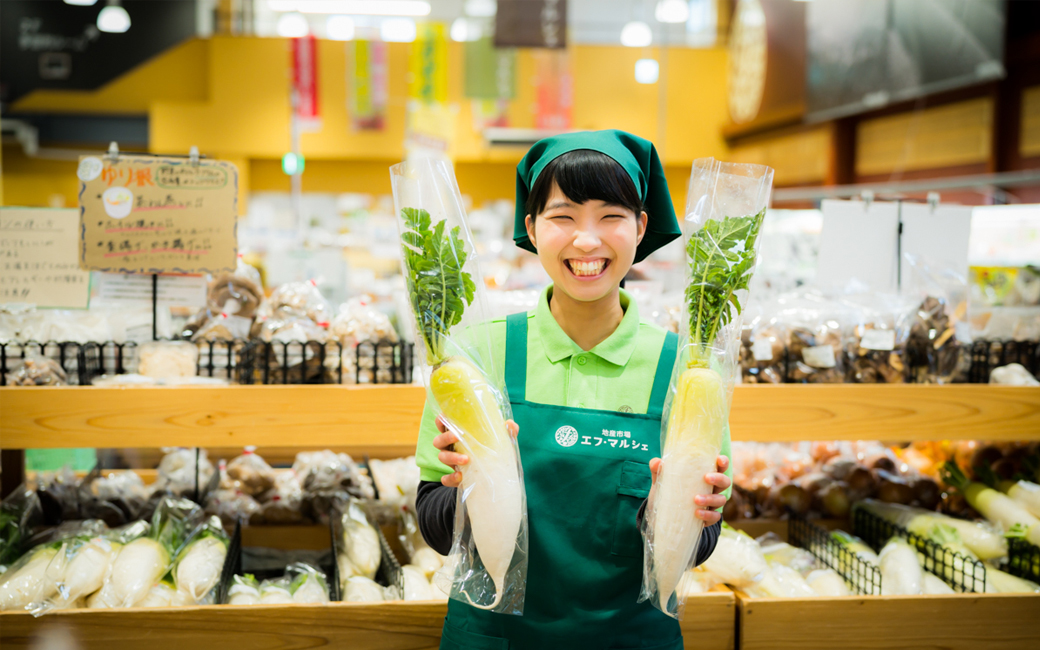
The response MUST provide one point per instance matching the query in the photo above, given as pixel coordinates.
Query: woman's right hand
(445, 444)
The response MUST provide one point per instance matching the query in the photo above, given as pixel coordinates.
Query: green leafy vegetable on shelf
(722, 258)
(438, 287)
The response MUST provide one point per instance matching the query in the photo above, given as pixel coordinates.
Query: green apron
(586, 473)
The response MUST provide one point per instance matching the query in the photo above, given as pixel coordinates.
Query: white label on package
(762, 349)
(173, 290)
(878, 340)
(820, 356)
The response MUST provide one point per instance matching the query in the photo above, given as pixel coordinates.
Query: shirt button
(582, 361)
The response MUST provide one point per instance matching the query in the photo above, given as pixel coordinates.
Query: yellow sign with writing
(428, 64)
(145, 214)
(39, 248)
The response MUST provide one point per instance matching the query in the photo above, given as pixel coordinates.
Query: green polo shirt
(616, 375)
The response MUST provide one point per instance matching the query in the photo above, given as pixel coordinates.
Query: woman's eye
(614, 216)
(558, 217)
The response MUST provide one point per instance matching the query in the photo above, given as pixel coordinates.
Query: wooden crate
(709, 625)
(951, 622)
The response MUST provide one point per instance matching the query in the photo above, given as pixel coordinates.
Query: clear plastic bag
(359, 550)
(815, 327)
(876, 349)
(762, 348)
(939, 331)
(177, 470)
(244, 590)
(19, 514)
(450, 321)
(37, 370)
(252, 473)
(166, 359)
(302, 299)
(725, 209)
(307, 584)
(198, 566)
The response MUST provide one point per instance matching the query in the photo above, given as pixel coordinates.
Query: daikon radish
(470, 404)
(1001, 582)
(160, 595)
(982, 538)
(360, 544)
(900, 572)
(308, 584)
(994, 505)
(26, 582)
(737, 559)
(360, 589)
(199, 565)
(84, 574)
(1026, 493)
(827, 582)
(416, 585)
(275, 592)
(244, 590)
(932, 584)
(428, 560)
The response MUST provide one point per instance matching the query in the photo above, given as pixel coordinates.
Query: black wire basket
(1023, 559)
(80, 361)
(861, 577)
(962, 573)
(315, 362)
(987, 355)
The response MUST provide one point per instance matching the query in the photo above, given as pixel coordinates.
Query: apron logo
(566, 436)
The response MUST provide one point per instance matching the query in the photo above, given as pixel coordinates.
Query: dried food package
(939, 334)
(303, 299)
(251, 472)
(167, 359)
(877, 343)
(450, 320)
(37, 370)
(762, 349)
(815, 329)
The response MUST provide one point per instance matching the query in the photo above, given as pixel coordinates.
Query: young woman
(586, 382)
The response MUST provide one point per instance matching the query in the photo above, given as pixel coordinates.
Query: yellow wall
(230, 97)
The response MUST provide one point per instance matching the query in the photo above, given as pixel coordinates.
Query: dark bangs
(584, 175)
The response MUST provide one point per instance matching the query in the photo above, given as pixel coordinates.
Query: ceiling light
(672, 11)
(636, 34)
(113, 19)
(397, 30)
(464, 29)
(339, 28)
(292, 25)
(647, 71)
(81, 3)
(480, 8)
(353, 7)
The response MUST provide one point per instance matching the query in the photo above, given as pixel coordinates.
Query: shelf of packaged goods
(383, 420)
(952, 622)
(709, 625)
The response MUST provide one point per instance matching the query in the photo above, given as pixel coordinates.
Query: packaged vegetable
(450, 321)
(78, 569)
(416, 584)
(160, 595)
(199, 564)
(303, 299)
(937, 340)
(827, 582)
(276, 592)
(244, 590)
(359, 589)
(177, 470)
(763, 350)
(25, 582)
(360, 552)
(252, 473)
(781, 581)
(725, 209)
(983, 540)
(737, 560)
(167, 359)
(901, 574)
(307, 584)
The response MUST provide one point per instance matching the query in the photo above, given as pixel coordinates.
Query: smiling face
(586, 248)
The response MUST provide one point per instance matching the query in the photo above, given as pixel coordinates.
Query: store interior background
(225, 88)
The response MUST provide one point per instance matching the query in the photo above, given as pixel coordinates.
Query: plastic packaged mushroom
(815, 333)
(762, 349)
(876, 350)
(938, 329)
(725, 209)
(450, 320)
(252, 473)
(37, 370)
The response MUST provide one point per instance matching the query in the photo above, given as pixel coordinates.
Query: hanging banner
(490, 113)
(531, 23)
(430, 129)
(428, 64)
(38, 252)
(367, 85)
(148, 214)
(490, 71)
(553, 90)
(305, 81)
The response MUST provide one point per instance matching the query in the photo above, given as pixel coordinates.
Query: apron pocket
(453, 638)
(632, 490)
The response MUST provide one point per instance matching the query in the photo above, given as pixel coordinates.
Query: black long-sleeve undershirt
(435, 504)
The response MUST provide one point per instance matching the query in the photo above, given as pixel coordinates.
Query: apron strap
(516, 356)
(663, 376)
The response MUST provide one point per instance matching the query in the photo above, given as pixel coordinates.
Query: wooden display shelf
(382, 420)
(951, 622)
(709, 625)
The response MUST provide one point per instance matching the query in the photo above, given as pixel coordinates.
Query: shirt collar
(616, 348)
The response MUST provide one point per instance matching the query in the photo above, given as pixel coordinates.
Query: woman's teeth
(586, 269)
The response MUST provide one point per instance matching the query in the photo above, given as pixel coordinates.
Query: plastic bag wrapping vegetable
(19, 513)
(177, 470)
(252, 473)
(876, 350)
(726, 205)
(244, 590)
(984, 540)
(359, 552)
(307, 584)
(276, 592)
(939, 331)
(197, 568)
(303, 299)
(359, 589)
(450, 320)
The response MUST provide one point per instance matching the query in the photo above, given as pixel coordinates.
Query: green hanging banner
(490, 71)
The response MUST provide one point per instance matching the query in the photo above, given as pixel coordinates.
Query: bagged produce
(25, 582)
(307, 584)
(177, 470)
(450, 320)
(244, 590)
(815, 328)
(276, 592)
(359, 589)
(199, 564)
(876, 350)
(984, 541)
(416, 584)
(302, 299)
(167, 359)
(160, 595)
(251, 472)
(359, 552)
(79, 568)
(827, 582)
(737, 560)
(37, 370)
(937, 339)
(763, 350)
(725, 209)
(19, 513)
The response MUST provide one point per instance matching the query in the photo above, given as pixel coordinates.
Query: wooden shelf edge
(387, 417)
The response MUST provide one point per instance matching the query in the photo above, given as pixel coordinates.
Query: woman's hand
(445, 444)
(705, 504)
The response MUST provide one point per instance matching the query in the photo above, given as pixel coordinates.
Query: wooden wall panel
(798, 158)
(944, 136)
(1029, 139)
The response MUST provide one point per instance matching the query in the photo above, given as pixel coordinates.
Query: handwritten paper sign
(144, 214)
(39, 251)
(171, 290)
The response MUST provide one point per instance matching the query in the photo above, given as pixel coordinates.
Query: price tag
(762, 349)
(878, 340)
(820, 356)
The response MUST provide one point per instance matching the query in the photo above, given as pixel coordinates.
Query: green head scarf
(637, 157)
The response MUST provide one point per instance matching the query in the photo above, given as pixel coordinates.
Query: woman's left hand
(705, 505)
